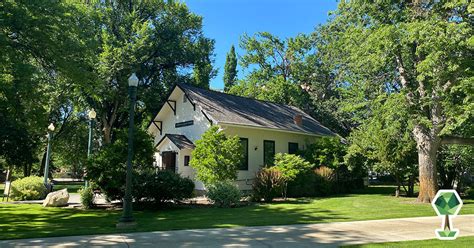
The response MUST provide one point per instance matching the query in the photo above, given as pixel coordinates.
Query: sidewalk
(313, 235)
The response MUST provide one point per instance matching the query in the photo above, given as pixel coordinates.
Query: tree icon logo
(447, 205)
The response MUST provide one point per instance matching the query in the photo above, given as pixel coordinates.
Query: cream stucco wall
(255, 140)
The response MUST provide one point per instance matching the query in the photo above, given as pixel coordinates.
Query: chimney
(298, 119)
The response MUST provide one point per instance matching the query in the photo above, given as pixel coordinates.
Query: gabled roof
(179, 140)
(230, 109)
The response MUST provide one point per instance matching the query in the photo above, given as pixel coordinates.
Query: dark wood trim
(207, 117)
(159, 127)
(190, 101)
(174, 103)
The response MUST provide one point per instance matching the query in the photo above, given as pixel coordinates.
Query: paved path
(313, 235)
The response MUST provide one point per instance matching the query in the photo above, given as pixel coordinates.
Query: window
(268, 152)
(292, 147)
(186, 160)
(245, 146)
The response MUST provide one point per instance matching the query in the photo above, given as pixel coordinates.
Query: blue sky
(226, 20)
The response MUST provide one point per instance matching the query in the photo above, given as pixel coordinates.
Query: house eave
(231, 124)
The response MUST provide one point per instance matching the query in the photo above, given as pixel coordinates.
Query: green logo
(447, 205)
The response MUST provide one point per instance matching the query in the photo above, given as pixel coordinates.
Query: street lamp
(48, 154)
(127, 219)
(92, 114)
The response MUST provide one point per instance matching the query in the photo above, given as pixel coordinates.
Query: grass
(28, 221)
(71, 187)
(432, 243)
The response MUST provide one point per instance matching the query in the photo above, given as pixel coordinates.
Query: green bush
(87, 197)
(107, 168)
(163, 187)
(216, 157)
(290, 166)
(470, 193)
(28, 188)
(224, 194)
(268, 184)
(324, 181)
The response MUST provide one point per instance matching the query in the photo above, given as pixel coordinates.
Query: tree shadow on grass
(31, 221)
(25, 221)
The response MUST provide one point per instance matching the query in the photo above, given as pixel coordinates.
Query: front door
(168, 160)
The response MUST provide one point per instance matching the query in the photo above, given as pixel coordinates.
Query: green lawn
(26, 221)
(71, 188)
(432, 243)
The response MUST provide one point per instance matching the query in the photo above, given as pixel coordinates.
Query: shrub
(216, 157)
(317, 182)
(268, 184)
(87, 197)
(326, 151)
(107, 168)
(290, 166)
(28, 188)
(470, 193)
(164, 187)
(224, 194)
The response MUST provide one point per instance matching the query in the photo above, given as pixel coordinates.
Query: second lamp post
(92, 114)
(48, 155)
(127, 218)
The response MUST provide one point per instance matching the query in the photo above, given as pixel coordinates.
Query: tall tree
(291, 71)
(422, 48)
(161, 41)
(230, 69)
(384, 138)
(44, 62)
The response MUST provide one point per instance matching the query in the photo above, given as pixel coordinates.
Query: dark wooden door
(168, 160)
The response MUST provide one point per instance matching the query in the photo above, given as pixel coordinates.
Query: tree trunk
(427, 148)
(107, 134)
(7, 177)
(411, 186)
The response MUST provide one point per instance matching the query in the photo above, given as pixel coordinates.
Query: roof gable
(181, 141)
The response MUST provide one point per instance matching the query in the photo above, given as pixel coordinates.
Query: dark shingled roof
(231, 109)
(179, 140)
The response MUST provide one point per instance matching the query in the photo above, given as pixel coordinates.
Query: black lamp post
(48, 155)
(127, 219)
(92, 114)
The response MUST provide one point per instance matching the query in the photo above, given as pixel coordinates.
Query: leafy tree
(455, 163)
(277, 68)
(325, 151)
(45, 46)
(216, 157)
(161, 41)
(291, 71)
(230, 69)
(385, 139)
(420, 48)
